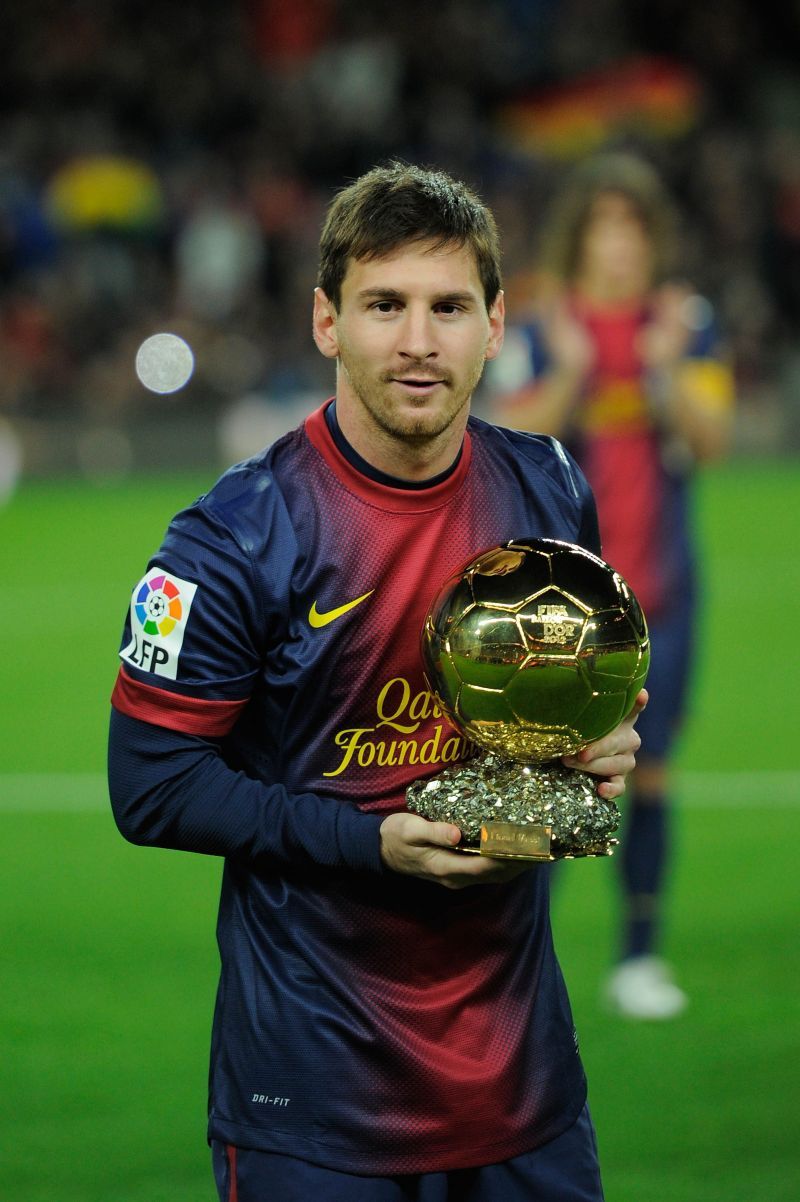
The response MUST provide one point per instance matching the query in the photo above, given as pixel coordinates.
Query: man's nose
(418, 338)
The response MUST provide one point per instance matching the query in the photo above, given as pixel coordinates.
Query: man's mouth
(420, 385)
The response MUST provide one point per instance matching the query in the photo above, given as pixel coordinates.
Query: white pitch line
(68, 793)
(53, 793)
(764, 789)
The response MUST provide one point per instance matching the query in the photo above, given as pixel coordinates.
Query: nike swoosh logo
(317, 619)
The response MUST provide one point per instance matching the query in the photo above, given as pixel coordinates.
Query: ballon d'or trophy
(534, 650)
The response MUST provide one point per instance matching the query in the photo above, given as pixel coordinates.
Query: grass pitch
(109, 961)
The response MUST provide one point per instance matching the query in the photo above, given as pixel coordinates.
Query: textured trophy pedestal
(510, 810)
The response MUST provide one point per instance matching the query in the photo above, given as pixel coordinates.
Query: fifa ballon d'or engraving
(534, 650)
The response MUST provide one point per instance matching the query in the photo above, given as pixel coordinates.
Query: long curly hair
(617, 172)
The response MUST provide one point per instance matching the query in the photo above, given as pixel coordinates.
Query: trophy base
(513, 811)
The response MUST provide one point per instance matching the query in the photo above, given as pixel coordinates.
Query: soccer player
(391, 1021)
(626, 369)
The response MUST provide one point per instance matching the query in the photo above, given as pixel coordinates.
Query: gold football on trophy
(535, 649)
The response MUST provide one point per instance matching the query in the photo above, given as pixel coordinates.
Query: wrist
(660, 385)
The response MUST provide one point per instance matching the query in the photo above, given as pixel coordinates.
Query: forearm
(174, 790)
(546, 405)
(694, 402)
(705, 429)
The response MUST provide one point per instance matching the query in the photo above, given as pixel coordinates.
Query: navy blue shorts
(671, 653)
(565, 1170)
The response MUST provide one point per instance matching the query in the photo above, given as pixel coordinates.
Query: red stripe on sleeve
(233, 1193)
(192, 715)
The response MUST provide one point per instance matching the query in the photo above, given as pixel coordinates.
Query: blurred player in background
(625, 368)
(391, 1021)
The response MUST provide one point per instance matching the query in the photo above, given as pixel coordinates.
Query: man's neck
(374, 473)
(399, 456)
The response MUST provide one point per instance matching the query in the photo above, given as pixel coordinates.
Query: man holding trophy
(391, 1020)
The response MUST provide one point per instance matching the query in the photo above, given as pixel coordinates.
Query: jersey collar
(384, 496)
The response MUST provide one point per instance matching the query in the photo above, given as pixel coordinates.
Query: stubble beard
(374, 393)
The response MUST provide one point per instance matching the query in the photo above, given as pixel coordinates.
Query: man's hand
(568, 340)
(664, 340)
(412, 845)
(614, 756)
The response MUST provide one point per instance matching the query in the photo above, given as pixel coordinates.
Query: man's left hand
(614, 756)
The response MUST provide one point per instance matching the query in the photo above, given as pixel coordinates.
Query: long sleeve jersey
(271, 708)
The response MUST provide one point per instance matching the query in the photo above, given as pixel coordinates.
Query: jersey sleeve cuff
(359, 837)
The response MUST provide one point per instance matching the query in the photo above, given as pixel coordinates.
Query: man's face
(411, 336)
(616, 246)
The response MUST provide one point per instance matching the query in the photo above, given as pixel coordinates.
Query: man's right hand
(412, 845)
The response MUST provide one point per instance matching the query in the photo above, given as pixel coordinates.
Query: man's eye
(448, 309)
(386, 306)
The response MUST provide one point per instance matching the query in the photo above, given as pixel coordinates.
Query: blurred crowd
(166, 167)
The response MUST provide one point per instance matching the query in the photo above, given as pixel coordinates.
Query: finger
(623, 740)
(611, 788)
(422, 833)
(437, 843)
(606, 759)
(610, 765)
(442, 834)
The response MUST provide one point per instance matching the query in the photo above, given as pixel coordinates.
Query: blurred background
(166, 167)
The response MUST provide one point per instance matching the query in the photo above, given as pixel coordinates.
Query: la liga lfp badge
(160, 608)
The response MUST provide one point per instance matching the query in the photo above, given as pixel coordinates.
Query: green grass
(704, 1107)
(745, 712)
(105, 1015)
(108, 954)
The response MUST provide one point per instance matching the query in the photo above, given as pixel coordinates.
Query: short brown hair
(400, 203)
(618, 172)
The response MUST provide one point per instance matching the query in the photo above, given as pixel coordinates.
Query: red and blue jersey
(636, 472)
(367, 1021)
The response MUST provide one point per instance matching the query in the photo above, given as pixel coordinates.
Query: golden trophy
(534, 650)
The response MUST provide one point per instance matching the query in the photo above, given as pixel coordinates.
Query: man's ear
(497, 319)
(324, 325)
